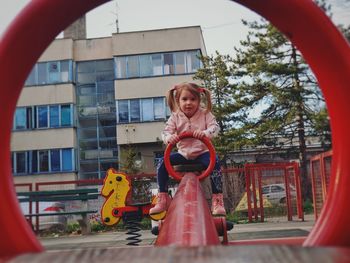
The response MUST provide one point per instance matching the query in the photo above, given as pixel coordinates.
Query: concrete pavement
(273, 228)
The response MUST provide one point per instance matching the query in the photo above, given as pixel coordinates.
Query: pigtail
(171, 99)
(207, 96)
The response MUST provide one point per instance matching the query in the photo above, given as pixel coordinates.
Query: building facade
(86, 101)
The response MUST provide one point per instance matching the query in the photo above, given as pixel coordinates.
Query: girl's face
(188, 103)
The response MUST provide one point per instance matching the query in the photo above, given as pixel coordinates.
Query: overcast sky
(220, 19)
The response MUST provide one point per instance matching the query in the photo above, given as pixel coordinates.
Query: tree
(140, 186)
(271, 74)
(345, 31)
(214, 75)
(128, 163)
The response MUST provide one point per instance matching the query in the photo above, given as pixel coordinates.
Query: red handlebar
(211, 165)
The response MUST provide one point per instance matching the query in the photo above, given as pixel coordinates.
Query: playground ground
(272, 228)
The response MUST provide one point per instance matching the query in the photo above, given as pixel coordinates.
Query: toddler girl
(191, 111)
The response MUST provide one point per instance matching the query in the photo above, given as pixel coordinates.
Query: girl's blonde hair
(203, 95)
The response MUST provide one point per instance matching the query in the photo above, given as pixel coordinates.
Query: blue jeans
(176, 158)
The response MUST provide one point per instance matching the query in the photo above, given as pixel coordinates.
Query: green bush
(97, 226)
(73, 227)
(146, 223)
(238, 217)
(308, 207)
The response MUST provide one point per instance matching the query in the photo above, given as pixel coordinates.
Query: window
(145, 65)
(120, 67)
(265, 190)
(158, 106)
(51, 116)
(67, 160)
(192, 61)
(180, 63)
(66, 74)
(55, 160)
(158, 64)
(276, 188)
(104, 65)
(43, 161)
(42, 73)
(42, 117)
(20, 121)
(52, 72)
(34, 163)
(87, 100)
(123, 111)
(21, 162)
(54, 116)
(133, 66)
(147, 110)
(66, 119)
(135, 110)
(169, 64)
(141, 110)
(107, 132)
(32, 78)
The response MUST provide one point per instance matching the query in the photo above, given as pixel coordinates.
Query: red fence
(273, 186)
(320, 167)
(252, 180)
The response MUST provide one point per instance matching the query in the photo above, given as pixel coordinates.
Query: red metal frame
(323, 177)
(297, 182)
(253, 173)
(309, 29)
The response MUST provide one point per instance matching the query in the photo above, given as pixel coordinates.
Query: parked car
(276, 193)
(46, 222)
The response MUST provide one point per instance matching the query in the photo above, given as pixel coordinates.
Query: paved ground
(273, 228)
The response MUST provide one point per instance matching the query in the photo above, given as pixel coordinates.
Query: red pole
(247, 183)
(298, 190)
(255, 207)
(188, 221)
(262, 214)
(288, 201)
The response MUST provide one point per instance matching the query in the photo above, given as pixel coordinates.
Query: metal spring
(133, 229)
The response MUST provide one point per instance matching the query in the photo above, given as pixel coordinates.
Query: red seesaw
(188, 220)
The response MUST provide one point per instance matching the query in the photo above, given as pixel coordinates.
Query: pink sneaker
(163, 202)
(217, 205)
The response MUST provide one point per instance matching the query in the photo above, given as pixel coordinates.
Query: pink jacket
(178, 123)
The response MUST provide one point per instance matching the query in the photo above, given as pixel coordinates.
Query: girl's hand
(198, 134)
(174, 139)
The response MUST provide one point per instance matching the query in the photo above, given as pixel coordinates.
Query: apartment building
(88, 100)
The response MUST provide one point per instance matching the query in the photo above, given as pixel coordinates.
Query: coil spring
(133, 229)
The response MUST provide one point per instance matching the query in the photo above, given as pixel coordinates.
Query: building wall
(44, 139)
(93, 49)
(139, 132)
(60, 49)
(147, 87)
(48, 94)
(154, 41)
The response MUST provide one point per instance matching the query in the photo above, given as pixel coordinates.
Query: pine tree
(271, 74)
(214, 75)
